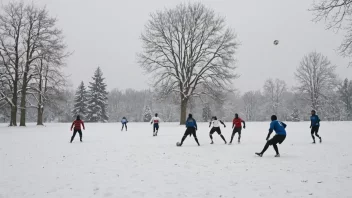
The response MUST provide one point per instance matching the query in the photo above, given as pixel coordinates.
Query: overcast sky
(106, 33)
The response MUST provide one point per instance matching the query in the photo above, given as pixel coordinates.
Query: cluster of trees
(189, 52)
(92, 105)
(32, 54)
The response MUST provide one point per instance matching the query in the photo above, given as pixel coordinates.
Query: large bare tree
(337, 14)
(42, 40)
(186, 48)
(273, 91)
(12, 23)
(316, 77)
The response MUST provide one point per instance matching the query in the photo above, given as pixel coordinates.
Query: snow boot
(277, 155)
(320, 140)
(259, 154)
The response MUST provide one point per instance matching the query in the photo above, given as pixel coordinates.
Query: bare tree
(186, 48)
(316, 76)
(273, 91)
(338, 15)
(41, 40)
(251, 101)
(12, 23)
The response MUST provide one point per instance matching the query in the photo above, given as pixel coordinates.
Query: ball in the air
(276, 42)
(178, 144)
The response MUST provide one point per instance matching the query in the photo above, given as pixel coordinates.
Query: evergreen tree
(98, 100)
(295, 115)
(147, 116)
(345, 95)
(80, 102)
(206, 113)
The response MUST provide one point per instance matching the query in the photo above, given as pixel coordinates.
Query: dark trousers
(190, 131)
(236, 130)
(74, 134)
(315, 130)
(155, 127)
(273, 141)
(124, 125)
(218, 130)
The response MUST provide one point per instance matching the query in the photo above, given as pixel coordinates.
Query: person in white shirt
(155, 120)
(216, 128)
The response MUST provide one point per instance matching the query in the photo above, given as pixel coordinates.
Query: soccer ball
(276, 42)
(178, 144)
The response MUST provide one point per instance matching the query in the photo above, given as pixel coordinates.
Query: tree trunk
(14, 107)
(40, 115)
(183, 110)
(23, 98)
(23, 109)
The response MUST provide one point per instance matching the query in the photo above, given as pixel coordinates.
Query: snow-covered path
(40, 162)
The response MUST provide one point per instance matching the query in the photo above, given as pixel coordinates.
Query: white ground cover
(40, 162)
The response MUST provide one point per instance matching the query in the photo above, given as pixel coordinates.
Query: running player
(155, 120)
(314, 125)
(237, 127)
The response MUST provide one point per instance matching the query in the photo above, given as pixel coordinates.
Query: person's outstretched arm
(271, 129)
(284, 125)
(222, 123)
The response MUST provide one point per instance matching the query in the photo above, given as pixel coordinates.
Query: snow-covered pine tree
(147, 115)
(206, 114)
(80, 102)
(295, 115)
(98, 100)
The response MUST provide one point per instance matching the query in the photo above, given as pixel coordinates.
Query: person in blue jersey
(280, 130)
(314, 125)
(124, 122)
(191, 126)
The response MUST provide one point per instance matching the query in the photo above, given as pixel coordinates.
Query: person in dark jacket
(280, 130)
(76, 125)
(191, 126)
(124, 122)
(314, 125)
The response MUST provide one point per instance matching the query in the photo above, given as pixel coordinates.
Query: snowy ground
(40, 162)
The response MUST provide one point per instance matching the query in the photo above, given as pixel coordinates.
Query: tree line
(190, 54)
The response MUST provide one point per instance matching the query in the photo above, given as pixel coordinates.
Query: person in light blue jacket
(191, 126)
(124, 122)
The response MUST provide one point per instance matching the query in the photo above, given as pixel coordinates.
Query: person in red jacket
(76, 125)
(237, 127)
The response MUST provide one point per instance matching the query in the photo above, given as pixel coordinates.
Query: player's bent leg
(276, 149)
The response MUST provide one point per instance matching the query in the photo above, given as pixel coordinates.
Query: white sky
(106, 33)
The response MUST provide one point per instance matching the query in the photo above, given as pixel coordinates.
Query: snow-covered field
(40, 162)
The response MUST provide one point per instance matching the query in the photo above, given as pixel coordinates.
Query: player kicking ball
(279, 128)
